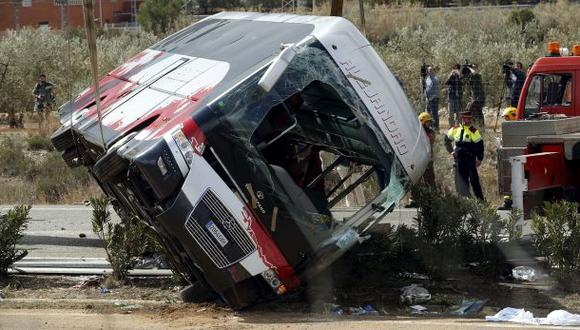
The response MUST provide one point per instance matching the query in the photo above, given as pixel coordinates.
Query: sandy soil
(195, 318)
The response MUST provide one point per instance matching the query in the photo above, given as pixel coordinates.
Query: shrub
(54, 180)
(522, 17)
(157, 16)
(122, 241)
(452, 230)
(514, 231)
(13, 161)
(12, 224)
(557, 236)
(38, 142)
(62, 59)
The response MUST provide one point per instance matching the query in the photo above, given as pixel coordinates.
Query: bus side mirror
(277, 68)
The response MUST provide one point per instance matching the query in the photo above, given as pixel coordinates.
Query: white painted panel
(136, 107)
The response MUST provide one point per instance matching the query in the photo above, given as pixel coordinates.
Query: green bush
(157, 16)
(13, 161)
(557, 236)
(522, 17)
(30, 52)
(123, 242)
(38, 142)
(453, 230)
(54, 179)
(12, 224)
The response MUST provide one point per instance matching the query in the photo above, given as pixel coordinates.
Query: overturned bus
(241, 139)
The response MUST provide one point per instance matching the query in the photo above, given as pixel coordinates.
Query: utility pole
(15, 4)
(336, 8)
(92, 45)
(63, 19)
(101, 12)
(361, 7)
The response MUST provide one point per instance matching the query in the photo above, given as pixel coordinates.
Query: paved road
(54, 231)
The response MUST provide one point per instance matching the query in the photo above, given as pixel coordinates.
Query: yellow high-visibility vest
(470, 134)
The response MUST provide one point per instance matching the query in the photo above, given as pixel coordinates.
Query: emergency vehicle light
(576, 50)
(554, 48)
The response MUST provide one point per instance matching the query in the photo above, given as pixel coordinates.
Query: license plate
(216, 233)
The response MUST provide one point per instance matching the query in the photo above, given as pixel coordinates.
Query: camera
(506, 67)
(466, 68)
(424, 67)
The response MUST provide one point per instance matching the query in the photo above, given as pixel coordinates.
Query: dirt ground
(43, 302)
(194, 318)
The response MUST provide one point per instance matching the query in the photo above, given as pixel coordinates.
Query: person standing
(432, 96)
(465, 143)
(43, 97)
(515, 79)
(454, 94)
(477, 98)
(429, 175)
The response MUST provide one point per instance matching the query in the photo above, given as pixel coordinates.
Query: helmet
(424, 117)
(510, 113)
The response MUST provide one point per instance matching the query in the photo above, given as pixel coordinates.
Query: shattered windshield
(311, 150)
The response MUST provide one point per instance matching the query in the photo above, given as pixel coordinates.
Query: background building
(53, 14)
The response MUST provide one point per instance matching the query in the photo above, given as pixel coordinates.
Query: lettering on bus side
(382, 112)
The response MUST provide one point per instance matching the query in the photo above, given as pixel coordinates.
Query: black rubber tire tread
(62, 139)
(109, 166)
(197, 293)
(69, 157)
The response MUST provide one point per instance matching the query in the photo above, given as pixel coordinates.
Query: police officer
(465, 143)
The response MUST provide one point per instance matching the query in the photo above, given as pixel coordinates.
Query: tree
(157, 16)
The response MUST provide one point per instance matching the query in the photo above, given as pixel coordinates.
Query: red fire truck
(540, 153)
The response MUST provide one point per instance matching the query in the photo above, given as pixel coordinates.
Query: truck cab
(540, 152)
(552, 87)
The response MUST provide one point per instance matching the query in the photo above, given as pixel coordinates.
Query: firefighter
(465, 143)
(429, 175)
(509, 114)
(426, 121)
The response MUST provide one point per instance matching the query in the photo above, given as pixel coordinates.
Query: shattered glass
(244, 108)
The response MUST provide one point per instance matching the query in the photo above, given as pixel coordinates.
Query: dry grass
(31, 173)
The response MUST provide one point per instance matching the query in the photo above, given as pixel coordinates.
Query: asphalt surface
(64, 231)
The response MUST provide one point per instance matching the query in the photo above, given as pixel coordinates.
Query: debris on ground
(104, 290)
(127, 306)
(524, 273)
(514, 315)
(338, 310)
(414, 294)
(470, 307)
(88, 281)
(414, 276)
(418, 309)
(155, 261)
(82, 235)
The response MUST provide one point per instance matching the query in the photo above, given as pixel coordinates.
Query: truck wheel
(109, 166)
(197, 293)
(62, 139)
